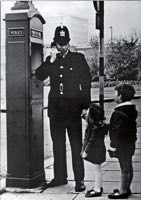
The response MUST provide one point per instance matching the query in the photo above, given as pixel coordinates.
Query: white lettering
(16, 32)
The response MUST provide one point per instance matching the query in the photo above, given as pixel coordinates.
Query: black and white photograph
(70, 100)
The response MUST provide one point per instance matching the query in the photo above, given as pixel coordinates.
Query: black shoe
(101, 190)
(55, 183)
(80, 187)
(128, 191)
(117, 195)
(93, 193)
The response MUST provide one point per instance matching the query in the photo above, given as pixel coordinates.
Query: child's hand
(112, 152)
(84, 114)
(84, 154)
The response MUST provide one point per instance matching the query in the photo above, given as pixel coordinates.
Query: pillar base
(33, 182)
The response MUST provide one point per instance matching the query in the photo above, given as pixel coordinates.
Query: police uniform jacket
(70, 83)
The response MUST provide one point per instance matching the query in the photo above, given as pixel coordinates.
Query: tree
(123, 59)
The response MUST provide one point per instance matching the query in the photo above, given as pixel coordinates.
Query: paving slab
(111, 176)
(9, 196)
(137, 158)
(64, 189)
(82, 197)
(115, 176)
(135, 187)
(49, 174)
(111, 166)
(109, 159)
(138, 151)
(116, 167)
(137, 177)
(138, 146)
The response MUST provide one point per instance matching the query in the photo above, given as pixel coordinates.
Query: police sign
(36, 34)
(16, 31)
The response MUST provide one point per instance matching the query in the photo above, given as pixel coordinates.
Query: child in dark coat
(93, 149)
(123, 137)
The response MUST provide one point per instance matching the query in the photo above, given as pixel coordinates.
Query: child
(93, 149)
(123, 137)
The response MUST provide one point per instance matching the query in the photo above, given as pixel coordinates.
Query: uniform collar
(65, 53)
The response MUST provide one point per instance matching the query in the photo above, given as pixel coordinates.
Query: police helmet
(61, 35)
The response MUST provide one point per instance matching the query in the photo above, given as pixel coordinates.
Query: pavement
(111, 180)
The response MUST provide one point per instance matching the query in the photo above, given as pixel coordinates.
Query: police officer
(68, 99)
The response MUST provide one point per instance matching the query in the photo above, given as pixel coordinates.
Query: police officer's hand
(53, 53)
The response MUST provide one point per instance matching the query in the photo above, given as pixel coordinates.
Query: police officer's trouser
(58, 128)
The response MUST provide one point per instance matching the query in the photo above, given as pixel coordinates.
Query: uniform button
(61, 67)
(61, 75)
(61, 87)
(61, 92)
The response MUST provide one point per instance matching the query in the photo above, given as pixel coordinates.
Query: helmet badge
(62, 33)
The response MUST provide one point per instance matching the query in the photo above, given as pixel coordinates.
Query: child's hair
(96, 114)
(126, 91)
